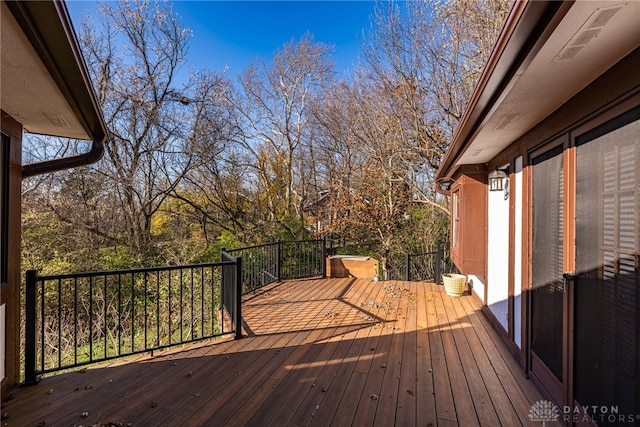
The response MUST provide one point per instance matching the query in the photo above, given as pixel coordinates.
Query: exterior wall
(613, 93)
(469, 229)
(10, 291)
(498, 257)
(504, 289)
(477, 287)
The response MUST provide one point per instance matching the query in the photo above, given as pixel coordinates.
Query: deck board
(390, 394)
(465, 411)
(342, 398)
(324, 384)
(485, 411)
(315, 353)
(445, 407)
(408, 381)
(499, 398)
(425, 392)
(521, 392)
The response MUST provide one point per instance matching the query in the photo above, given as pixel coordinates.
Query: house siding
(615, 92)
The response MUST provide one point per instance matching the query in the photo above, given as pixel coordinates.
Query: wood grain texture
(319, 352)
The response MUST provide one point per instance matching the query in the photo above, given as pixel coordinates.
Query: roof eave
(48, 27)
(527, 27)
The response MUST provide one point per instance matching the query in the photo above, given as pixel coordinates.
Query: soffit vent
(505, 121)
(602, 16)
(587, 32)
(58, 120)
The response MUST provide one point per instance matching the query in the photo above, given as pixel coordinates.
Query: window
(455, 218)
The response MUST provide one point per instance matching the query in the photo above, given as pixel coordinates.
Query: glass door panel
(547, 296)
(607, 288)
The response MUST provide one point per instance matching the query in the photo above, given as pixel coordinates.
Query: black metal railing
(273, 262)
(424, 266)
(77, 319)
(232, 290)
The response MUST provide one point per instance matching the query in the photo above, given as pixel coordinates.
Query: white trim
(517, 254)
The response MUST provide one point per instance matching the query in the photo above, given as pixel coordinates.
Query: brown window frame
(4, 207)
(455, 217)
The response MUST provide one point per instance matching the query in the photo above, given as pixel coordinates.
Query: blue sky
(233, 32)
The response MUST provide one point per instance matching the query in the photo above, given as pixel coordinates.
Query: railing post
(438, 269)
(279, 264)
(30, 377)
(407, 271)
(238, 302)
(222, 259)
(323, 257)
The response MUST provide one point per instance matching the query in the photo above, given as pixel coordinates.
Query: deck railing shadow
(353, 373)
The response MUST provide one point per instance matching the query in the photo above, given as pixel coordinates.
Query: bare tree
(428, 57)
(367, 198)
(156, 118)
(196, 158)
(432, 54)
(385, 132)
(274, 102)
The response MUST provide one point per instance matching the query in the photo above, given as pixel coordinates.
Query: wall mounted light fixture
(499, 181)
(496, 180)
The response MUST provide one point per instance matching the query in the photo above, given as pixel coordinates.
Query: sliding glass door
(585, 299)
(607, 288)
(547, 294)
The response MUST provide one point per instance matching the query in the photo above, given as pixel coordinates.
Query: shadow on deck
(316, 352)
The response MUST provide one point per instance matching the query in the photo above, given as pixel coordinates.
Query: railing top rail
(131, 271)
(228, 258)
(249, 247)
(423, 253)
(283, 242)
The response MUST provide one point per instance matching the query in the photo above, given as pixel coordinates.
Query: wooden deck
(341, 352)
